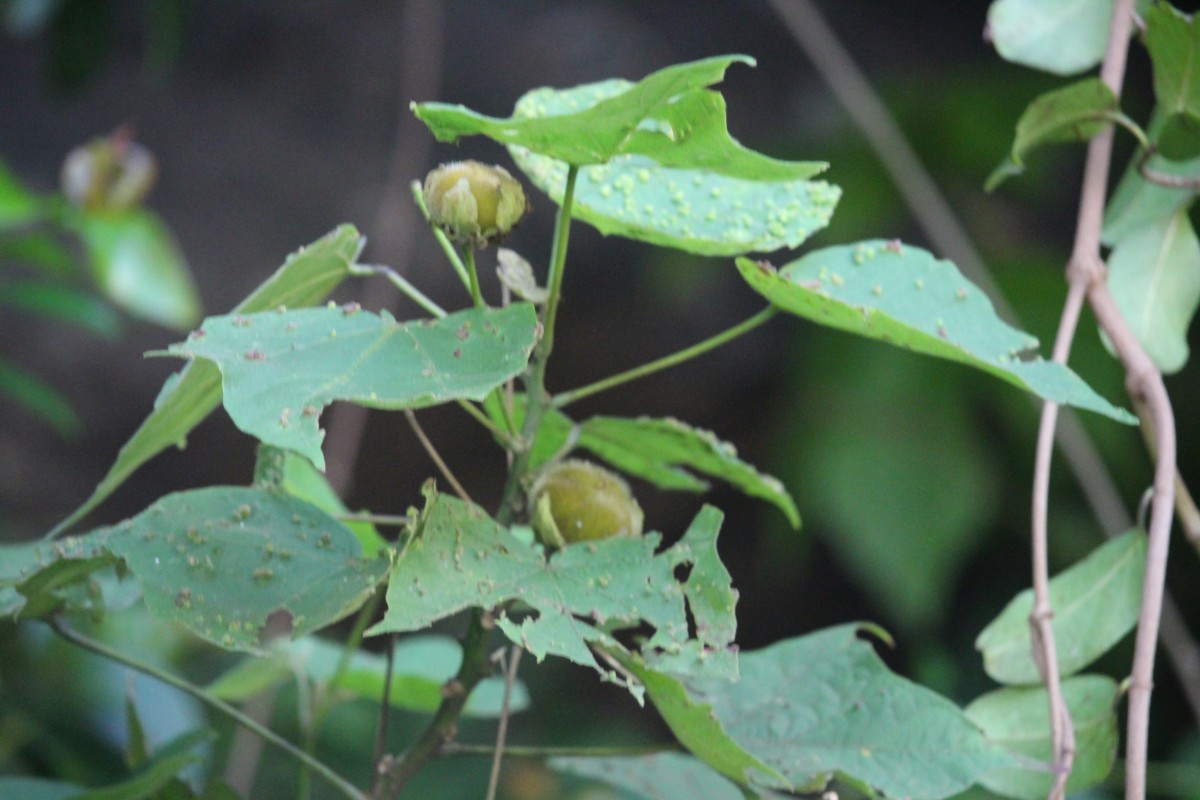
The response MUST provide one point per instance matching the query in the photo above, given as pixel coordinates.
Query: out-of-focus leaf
(301, 479)
(146, 783)
(1154, 277)
(1137, 202)
(1063, 37)
(41, 250)
(1173, 41)
(661, 451)
(903, 295)
(38, 398)
(825, 703)
(874, 438)
(15, 788)
(663, 776)
(306, 277)
(456, 557)
(62, 303)
(685, 193)
(18, 205)
(45, 575)
(240, 567)
(138, 265)
(280, 369)
(1095, 602)
(1071, 114)
(1019, 719)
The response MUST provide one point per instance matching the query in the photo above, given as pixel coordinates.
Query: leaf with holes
(456, 557)
(240, 567)
(190, 395)
(1019, 719)
(280, 369)
(1095, 602)
(1154, 277)
(903, 295)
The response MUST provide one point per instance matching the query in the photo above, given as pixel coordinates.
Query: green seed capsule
(474, 201)
(577, 501)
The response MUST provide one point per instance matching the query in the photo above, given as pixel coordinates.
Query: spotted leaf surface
(240, 566)
(696, 189)
(458, 558)
(306, 277)
(280, 369)
(40, 578)
(905, 296)
(825, 703)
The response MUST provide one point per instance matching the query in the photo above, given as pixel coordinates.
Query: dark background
(275, 121)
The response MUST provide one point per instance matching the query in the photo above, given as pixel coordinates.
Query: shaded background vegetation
(274, 121)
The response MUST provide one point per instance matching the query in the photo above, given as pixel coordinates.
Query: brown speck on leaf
(462, 333)
(813, 285)
(457, 352)
(351, 308)
(255, 355)
(893, 246)
(199, 333)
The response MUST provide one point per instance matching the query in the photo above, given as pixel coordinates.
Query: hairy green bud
(577, 501)
(473, 201)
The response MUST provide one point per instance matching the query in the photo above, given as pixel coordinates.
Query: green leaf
(875, 439)
(1095, 604)
(662, 776)
(1154, 277)
(46, 575)
(138, 265)
(64, 304)
(18, 205)
(903, 295)
(1137, 202)
(1063, 37)
(144, 784)
(1019, 719)
(242, 566)
(1173, 41)
(38, 398)
(456, 557)
(658, 451)
(15, 788)
(306, 277)
(280, 369)
(301, 479)
(826, 703)
(1071, 114)
(700, 192)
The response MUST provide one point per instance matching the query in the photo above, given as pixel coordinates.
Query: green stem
(483, 419)
(401, 283)
(392, 520)
(443, 240)
(468, 251)
(537, 400)
(517, 751)
(266, 733)
(657, 365)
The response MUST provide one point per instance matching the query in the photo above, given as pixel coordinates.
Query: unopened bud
(473, 201)
(577, 501)
(112, 173)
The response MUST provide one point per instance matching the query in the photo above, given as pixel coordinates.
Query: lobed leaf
(1019, 720)
(661, 451)
(682, 181)
(825, 703)
(1063, 37)
(903, 295)
(1173, 41)
(139, 266)
(1095, 602)
(1073, 113)
(1154, 277)
(280, 369)
(456, 557)
(187, 397)
(240, 567)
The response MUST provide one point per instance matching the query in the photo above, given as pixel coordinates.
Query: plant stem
(200, 694)
(436, 457)
(483, 419)
(665, 362)
(393, 520)
(401, 283)
(468, 251)
(443, 240)
(510, 677)
(518, 751)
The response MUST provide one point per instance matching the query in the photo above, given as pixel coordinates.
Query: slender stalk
(518, 751)
(443, 240)
(686, 354)
(510, 677)
(385, 702)
(436, 457)
(393, 520)
(468, 252)
(504, 436)
(401, 283)
(103, 650)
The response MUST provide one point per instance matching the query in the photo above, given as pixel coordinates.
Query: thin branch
(392, 520)
(1185, 506)
(385, 702)
(504, 436)
(657, 365)
(100, 649)
(510, 677)
(436, 457)
(401, 283)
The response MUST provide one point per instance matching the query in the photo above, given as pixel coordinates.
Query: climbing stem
(103, 650)
(665, 362)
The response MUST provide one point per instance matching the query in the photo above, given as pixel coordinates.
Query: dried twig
(510, 677)
(436, 457)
